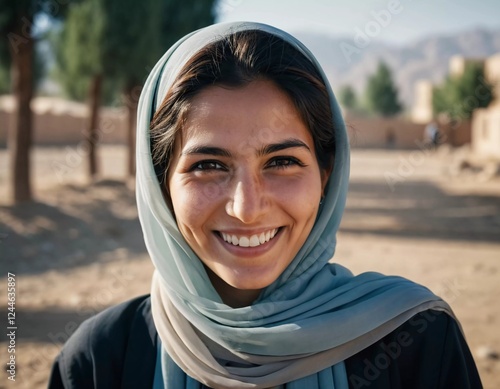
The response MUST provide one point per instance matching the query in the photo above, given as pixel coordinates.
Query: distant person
(432, 134)
(390, 138)
(242, 176)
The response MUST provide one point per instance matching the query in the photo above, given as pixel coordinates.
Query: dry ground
(78, 249)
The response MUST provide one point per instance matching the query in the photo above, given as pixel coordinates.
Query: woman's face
(245, 186)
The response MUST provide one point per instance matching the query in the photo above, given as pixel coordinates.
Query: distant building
(486, 121)
(458, 63)
(486, 133)
(492, 74)
(485, 126)
(422, 109)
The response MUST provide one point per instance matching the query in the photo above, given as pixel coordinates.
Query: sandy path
(79, 249)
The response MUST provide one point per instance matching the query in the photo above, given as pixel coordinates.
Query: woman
(243, 165)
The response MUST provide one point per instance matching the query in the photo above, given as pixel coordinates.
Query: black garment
(117, 349)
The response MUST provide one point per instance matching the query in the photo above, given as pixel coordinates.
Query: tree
(381, 93)
(135, 50)
(176, 20)
(80, 64)
(182, 18)
(347, 97)
(121, 48)
(459, 96)
(16, 23)
(4, 71)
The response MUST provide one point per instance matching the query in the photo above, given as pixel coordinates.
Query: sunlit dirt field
(78, 248)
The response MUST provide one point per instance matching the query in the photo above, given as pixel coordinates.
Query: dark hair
(236, 61)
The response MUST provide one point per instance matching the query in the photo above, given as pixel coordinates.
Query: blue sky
(403, 20)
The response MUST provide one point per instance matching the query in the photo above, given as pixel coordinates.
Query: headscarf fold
(306, 323)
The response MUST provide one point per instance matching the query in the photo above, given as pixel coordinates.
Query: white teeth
(252, 241)
(244, 241)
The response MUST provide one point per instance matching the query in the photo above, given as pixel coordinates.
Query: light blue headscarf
(305, 324)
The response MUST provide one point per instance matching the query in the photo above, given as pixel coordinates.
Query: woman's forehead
(258, 98)
(253, 114)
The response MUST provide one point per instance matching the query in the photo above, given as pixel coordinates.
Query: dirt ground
(78, 248)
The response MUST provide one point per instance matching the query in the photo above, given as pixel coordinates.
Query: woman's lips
(253, 240)
(250, 251)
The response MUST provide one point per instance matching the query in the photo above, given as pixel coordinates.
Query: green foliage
(12, 12)
(181, 18)
(458, 97)
(348, 98)
(11, 22)
(76, 49)
(381, 92)
(15, 25)
(124, 42)
(39, 70)
(130, 44)
(5, 61)
(4, 79)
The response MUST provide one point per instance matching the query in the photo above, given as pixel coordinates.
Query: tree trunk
(93, 134)
(131, 101)
(20, 134)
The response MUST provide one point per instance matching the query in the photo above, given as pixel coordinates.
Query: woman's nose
(249, 201)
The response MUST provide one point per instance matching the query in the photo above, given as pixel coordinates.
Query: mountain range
(351, 60)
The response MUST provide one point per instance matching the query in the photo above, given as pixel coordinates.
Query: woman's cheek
(303, 193)
(197, 198)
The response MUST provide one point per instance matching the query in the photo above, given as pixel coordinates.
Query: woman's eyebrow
(210, 150)
(285, 144)
(267, 149)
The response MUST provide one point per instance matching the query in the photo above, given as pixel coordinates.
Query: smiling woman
(242, 173)
(268, 193)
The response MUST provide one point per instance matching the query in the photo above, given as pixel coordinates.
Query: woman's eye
(284, 162)
(207, 165)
